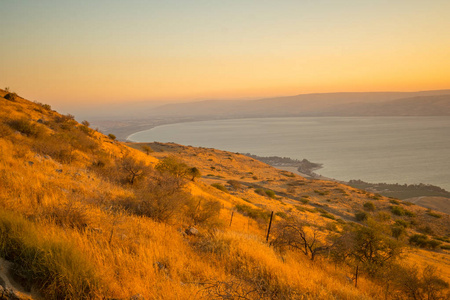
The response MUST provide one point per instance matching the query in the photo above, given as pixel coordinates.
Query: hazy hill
(414, 106)
(83, 216)
(382, 103)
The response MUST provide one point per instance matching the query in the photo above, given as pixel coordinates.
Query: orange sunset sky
(69, 53)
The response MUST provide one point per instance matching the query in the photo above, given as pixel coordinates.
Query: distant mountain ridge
(425, 103)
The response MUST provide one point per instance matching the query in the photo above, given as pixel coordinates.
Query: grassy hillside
(83, 216)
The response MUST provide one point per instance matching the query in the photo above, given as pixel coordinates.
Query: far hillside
(145, 116)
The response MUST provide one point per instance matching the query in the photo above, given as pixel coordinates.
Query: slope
(85, 217)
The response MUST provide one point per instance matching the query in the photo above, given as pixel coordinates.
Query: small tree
(368, 247)
(112, 136)
(173, 166)
(194, 173)
(147, 149)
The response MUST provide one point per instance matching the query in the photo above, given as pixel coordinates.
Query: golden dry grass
(72, 206)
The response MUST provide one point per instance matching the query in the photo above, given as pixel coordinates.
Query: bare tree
(133, 169)
(298, 234)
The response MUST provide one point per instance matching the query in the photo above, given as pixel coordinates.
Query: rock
(58, 170)
(40, 121)
(160, 266)
(192, 231)
(30, 163)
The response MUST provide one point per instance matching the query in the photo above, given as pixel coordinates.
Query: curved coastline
(213, 130)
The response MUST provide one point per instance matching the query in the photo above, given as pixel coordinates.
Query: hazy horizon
(76, 54)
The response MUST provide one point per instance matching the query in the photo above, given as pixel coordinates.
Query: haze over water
(374, 149)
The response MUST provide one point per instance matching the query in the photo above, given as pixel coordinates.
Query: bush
(328, 215)
(398, 231)
(304, 200)
(369, 206)
(254, 213)
(26, 127)
(44, 106)
(220, 187)
(322, 193)
(235, 184)
(400, 211)
(361, 216)
(270, 194)
(419, 240)
(204, 211)
(173, 166)
(260, 191)
(11, 97)
(397, 210)
(383, 216)
(402, 223)
(394, 201)
(433, 214)
(112, 136)
(160, 199)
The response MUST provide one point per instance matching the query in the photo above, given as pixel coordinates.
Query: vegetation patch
(254, 213)
(220, 187)
(51, 263)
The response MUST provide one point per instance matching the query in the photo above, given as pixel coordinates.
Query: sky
(75, 53)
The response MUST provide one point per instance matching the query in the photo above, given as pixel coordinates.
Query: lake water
(373, 149)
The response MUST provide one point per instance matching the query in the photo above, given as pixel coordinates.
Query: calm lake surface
(373, 149)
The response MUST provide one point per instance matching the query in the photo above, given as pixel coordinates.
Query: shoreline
(303, 167)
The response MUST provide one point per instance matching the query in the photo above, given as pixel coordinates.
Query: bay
(374, 149)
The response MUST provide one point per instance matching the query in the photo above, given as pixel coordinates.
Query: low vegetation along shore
(83, 216)
(410, 192)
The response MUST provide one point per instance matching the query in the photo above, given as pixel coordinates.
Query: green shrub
(402, 223)
(376, 197)
(254, 213)
(419, 240)
(397, 231)
(11, 97)
(304, 200)
(235, 184)
(112, 136)
(220, 187)
(26, 127)
(433, 214)
(322, 193)
(400, 211)
(369, 206)
(260, 191)
(361, 216)
(270, 194)
(445, 247)
(328, 215)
